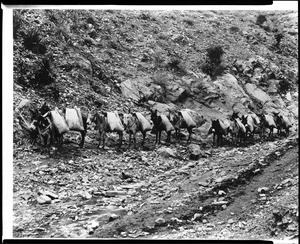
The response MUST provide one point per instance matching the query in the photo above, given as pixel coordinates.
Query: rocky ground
(118, 59)
(230, 192)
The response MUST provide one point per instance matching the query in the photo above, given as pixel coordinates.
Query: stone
(24, 103)
(113, 217)
(114, 193)
(263, 189)
(203, 183)
(231, 221)
(197, 216)
(176, 220)
(221, 193)
(43, 199)
(167, 152)
(286, 182)
(50, 194)
(257, 93)
(194, 151)
(160, 222)
(92, 225)
(86, 195)
(220, 203)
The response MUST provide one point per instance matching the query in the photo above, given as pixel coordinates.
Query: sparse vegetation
(261, 19)
(176, 65)
(189, 21)
(214, 66)
(284, 86)
(33, 41)
(234, 29)
(90, 58)
(278, 38)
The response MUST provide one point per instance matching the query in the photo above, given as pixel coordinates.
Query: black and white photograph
(151, 122)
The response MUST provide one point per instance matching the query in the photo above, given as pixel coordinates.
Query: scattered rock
(114, 193)
(86, 195)
(49, 194)
(263, 189)
(113, 217)
(92, 225)
(42, 199)
(231, 221)
(220, 203)
(197, 217)
(202, 183)
(286, 182)
(195, 152)
(176, 220)
(160, 222)
(167, 152)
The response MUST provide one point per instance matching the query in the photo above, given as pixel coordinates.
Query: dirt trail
(124, 193)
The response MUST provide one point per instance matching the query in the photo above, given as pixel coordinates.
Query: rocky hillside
(210, 62)
(116, 59)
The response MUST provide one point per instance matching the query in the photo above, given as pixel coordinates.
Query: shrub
(176, 65)
(32, 42)
(261, 19)
(234, 29)
(213, 65)
(188, 21)
(43, 76)
(278, 38)
(284, 86)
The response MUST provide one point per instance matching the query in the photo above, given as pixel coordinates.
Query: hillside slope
(119, 59)
(85, 58)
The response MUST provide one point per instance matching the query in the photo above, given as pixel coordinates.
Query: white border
(7, 81)
(277, 5)
(7, 124)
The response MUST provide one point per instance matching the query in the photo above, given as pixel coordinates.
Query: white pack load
(188, 119)
(287, 121)
(270, 120)
(59, 121)
(167, 123)
(74, 119)
(114, 122)
(145, 124)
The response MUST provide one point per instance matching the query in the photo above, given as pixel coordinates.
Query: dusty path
(140, 194)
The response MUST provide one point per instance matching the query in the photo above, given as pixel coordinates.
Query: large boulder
(232, 93)
(137, 88)
(163, 108)
(257, 93)
(167, 152)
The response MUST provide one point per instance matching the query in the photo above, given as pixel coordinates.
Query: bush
(261, 19)
(43, 76)
(33, 42)
(213, 66)
(278, 38)
(234, 29)
(189, 21)
(284, 86)
(176, 65)
(214, 55)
